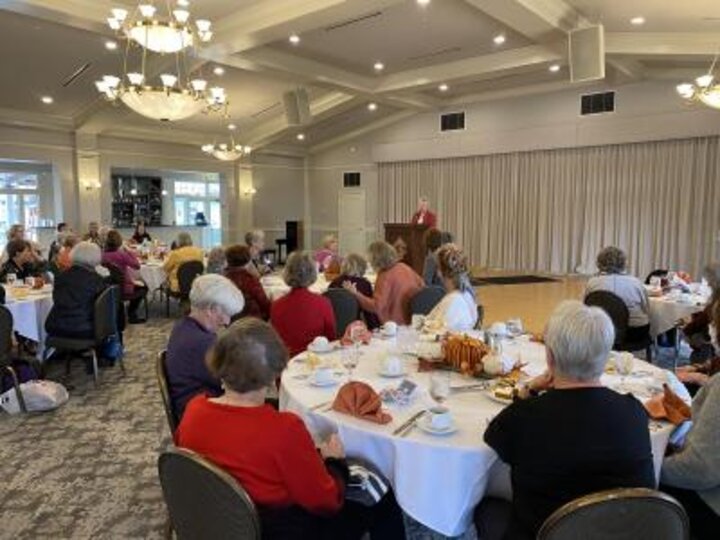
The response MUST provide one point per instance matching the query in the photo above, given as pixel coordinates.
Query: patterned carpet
(88, 470)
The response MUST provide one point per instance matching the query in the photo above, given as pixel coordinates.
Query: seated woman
(300, 316)
(576, 438)
(62, 260)
(457, 311)
(696, 327)
(352, 270)
(255, 241)
(125, 262)
(613, 278)
(74, 293)
(140, 235)
(185, 252)
(329, 253)
(396, 284)
(20, 261)
(433, 238)
(216, 261)
(257, 304)
(213, 302)
(298, 490)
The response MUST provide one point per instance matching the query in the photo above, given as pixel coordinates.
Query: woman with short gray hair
(301, 315)
(352, 270)
(214, 300)
(575, 438)
(184, 253)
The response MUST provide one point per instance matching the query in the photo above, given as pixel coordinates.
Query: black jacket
(74, 294)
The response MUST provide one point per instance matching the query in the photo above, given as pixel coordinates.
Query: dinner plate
(323, 384)
(392, 375)
(425, 425)
(491, 394)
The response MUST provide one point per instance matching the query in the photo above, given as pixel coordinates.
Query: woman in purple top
(328, 253)
(117, 258)
(353, 269)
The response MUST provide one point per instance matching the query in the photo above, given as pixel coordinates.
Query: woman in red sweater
(299, 492)
(300, 316)
(257, 303)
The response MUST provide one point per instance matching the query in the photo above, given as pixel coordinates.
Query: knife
(409, 422)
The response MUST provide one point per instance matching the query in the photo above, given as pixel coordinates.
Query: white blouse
(457, 311)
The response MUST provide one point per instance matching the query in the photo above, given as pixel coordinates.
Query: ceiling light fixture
(554, 68)
(637, 21)
(300, 136)
(232, 127)
(294, 39)
(705, 89)
(110, 45)
(499, 39)
(47, 100)
(219, 71)
(443, 87)
(378, 66)
(372, 107)
(424, 2)
(171, 31)
(230, 150)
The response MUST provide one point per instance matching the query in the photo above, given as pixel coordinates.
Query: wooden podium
(407, 237)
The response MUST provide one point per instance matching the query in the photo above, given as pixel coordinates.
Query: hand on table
(332, 448)
(540, 383)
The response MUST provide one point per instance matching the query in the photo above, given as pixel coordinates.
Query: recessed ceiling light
(110, 45)
(47, 100)
(443, 87)
(423, 2)
(294, 39)
(300, 136)
(378, 66)
(183, 3)
(554, 68)
(499, 39)
(219, 71)
(232, 127)
(372, 106)
(637, 21)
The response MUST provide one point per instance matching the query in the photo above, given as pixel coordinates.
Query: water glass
(515, 327)
(440, 385)
(349, 358)
(11, 279)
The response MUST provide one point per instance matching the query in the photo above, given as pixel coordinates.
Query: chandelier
(170, 32)
(226, 151)
(704, 89)
(175, 95)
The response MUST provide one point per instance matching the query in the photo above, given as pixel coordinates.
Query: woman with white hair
(576, 438)
(457, 311)
(74, 294)
(328, 254)
(214, 300)
(185, 252)
(424, 216)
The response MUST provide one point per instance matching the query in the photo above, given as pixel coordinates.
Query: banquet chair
(660, 272)
(426, 299)
(480, 316)
(186, 274)
(117, 277)
(616, 309)
(345, 307)
(106, 326)
(162, 378)
(6, 332)
(203, 500)
(620, 514)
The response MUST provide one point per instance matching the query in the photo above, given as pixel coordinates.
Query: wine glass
(11, 279)
(349, 358)
(440, 386)
(357, 333)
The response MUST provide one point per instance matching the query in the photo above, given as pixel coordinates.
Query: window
(19, 199)
(194, 189)
(195, 197)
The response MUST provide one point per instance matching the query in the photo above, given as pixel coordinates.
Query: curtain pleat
(553, 210)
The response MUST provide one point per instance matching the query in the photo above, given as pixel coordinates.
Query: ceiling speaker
(586, 49)
(297, 107)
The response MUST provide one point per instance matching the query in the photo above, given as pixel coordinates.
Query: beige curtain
(552, 210)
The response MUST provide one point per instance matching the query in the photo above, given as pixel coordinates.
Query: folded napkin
(668, 406)
(366, 335)
(360, 400)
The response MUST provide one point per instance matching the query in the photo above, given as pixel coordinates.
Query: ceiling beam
(661, 43)
(367, 128)
(15, 117)
(81, 14)
(538, 20)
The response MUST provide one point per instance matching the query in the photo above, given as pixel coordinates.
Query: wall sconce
(250, 191)
(164, 192)
(92, 185)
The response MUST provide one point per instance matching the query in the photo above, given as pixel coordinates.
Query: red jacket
(270, 453)
(429, 219)
(300, 316)
(257, 303)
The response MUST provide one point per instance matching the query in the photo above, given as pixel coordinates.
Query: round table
(153, 275)
(30, 312)
(438, 480)
(665, 311)
(275, 286)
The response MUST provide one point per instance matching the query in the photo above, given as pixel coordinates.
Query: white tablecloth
(29, 314)
(275, 287)
(437, 480)
(153, 275)
(665, 311)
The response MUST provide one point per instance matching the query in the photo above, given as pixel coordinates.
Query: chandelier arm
(714, 62)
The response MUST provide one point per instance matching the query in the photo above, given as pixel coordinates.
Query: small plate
(324, 384)
(425, 425)
(315, 350)
(491, 394)
(392, 375)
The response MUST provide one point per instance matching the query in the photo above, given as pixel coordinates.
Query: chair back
(106, 313)
(345, 307)
(186, 274)
(117, 276)
(203, 500)
(616, 309)
(426, 299)
(620, 514)
(660, 272)
(480, 316)
(6, 333)
(162, 378)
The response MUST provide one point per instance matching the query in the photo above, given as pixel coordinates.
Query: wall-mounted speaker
(586, 49)
(297, 107)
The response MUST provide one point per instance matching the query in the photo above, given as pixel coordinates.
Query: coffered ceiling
(44, 43)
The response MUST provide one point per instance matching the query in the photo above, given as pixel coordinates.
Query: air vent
(350, 22)
(351, 179)
(601, 103)
(452, 121)
(77, 73)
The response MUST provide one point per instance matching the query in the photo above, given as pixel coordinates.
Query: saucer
(389, 375)
(491, 394)
(314, 349)
(425, 425)
(323, 384)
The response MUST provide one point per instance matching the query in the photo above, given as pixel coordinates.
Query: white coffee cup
(392, 365)
(390, 328)
(440, 418)
(499, 329)
(323, 375)
(320, 343)
(624, 363)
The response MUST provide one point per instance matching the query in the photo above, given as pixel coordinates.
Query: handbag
(38, 396)
(366, 485)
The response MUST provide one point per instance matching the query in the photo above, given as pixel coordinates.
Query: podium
(408, 238)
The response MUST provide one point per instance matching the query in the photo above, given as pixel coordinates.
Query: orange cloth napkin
(360, 400)
(668, 406)
(366, 334)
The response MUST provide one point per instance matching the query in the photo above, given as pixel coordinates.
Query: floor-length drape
(553, 210)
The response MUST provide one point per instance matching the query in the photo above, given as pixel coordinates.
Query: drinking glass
(440, 386)
(515, 327)
(11, 279)
(349, 358)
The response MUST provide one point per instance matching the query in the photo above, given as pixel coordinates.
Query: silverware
(470, 387)
(320, 406)
(409, 422)
(412, 425)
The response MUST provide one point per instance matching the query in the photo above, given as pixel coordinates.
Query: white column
(307, 218)
(87, 158)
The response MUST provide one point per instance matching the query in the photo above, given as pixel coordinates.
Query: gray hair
(251, 237)
(579, 338)
(86, 254)
(353, 265)
(214, 290)
(300, 270)
(611, 260)
(184, 239)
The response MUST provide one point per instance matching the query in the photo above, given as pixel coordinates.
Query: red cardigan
(270, 453)
(429, 219)
(257, 303)
(300, 316)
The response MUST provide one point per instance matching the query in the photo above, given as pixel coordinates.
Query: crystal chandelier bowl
(161, 104)
(161, 38)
